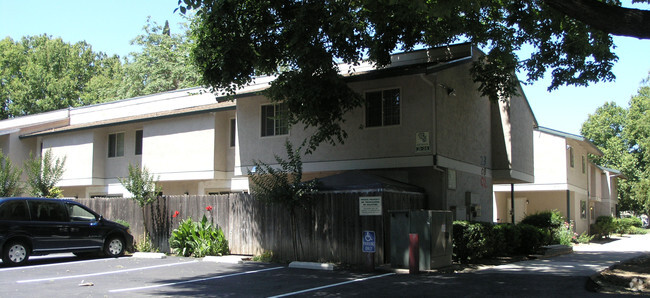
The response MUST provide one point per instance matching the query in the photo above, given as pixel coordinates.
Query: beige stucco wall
(551, 159)
(77, 150)
(181, 148)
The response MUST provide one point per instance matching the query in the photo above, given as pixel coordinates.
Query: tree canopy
(41, 73)
(162, 65)
(623, 135)
(302, 42)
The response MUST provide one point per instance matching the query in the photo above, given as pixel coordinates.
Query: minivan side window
(77, 213)
(48, 211)
(14, 210)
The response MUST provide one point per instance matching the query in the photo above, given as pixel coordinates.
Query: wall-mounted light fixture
(450, 91)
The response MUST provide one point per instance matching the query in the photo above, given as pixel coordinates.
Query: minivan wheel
(15, 253)
(114, 247)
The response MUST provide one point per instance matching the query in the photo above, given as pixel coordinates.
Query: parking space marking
(191, 281)
(103, 273)
(51, 265)
(333, 285)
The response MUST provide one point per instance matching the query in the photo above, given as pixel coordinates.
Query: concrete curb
(149, 255)
(224, 259)
(311, 265)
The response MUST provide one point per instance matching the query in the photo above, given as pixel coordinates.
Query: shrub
(627, 225)
(544, 220)
(532, 238)
(584, 238)
(507, 239)
(469, 241)
(198, 239)
(564, 234)
(604, 226)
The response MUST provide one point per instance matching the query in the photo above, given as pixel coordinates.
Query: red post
(414, 253)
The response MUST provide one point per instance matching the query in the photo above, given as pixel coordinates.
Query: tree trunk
(611, 19)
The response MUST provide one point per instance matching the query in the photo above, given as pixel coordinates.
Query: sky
(109, 26)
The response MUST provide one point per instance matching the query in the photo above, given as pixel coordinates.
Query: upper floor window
(571, 161)
(116, 144)
(584, 165)
(138, 142)
(383, 107)
(275, 120)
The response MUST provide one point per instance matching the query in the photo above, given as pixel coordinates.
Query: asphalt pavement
(586, 259)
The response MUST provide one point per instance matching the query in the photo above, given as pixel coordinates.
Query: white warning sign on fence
(370, 206)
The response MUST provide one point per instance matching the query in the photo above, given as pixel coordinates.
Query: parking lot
(65, 275)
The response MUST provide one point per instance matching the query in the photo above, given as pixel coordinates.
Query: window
(116, 144)
(583, 209)
(584, 165)
(382, 108)
(14, 210)
(571, 161)
(233, 131)
(275, 120)
(138, 142)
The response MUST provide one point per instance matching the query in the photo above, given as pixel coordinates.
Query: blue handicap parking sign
(368, 241)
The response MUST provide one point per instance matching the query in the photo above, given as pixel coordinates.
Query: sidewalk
(586, 260)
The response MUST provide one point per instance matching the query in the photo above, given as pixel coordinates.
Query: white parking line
(53, 264)
(191, 281)
(102, 273)
(332, 285)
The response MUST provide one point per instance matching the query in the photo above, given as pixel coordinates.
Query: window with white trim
(116, 144)
(138, 142)
(275, 120)
(383, 108)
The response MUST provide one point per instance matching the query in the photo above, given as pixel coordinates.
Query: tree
(143, 187)
(623, 135)
(302, 42)
(9, 177)
(283, 186)
(162, 65)
(41, 73)
(43, 173)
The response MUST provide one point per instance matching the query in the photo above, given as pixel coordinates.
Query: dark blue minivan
(37, 226)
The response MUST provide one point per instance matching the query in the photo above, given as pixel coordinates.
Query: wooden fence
(330, 230)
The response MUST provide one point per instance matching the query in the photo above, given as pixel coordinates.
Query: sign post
(369, 247)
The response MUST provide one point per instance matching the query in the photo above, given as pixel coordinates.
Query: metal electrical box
(434, 231)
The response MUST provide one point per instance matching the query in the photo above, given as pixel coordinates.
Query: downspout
(512, 201)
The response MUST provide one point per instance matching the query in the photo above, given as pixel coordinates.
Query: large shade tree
(623, 135)
(41, 73)
(302, 42)
(163, 64)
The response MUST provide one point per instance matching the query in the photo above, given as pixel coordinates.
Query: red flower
(209, 208)
(176, 213)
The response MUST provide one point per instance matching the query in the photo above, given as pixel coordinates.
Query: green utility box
(434, 231)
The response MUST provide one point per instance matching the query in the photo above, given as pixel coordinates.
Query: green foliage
(41, 73)
(604, 226)
(162, 65)
(198, 239)
(283, 186)
(141, 184)
(584, 238)
(470, 241)
(544, 219)
(476, 240)
(623, 135)
(303, 41)
(144, 244)
(9, 177)
(123, 222)
(266, 256)
(626, 225)
(43, 173)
